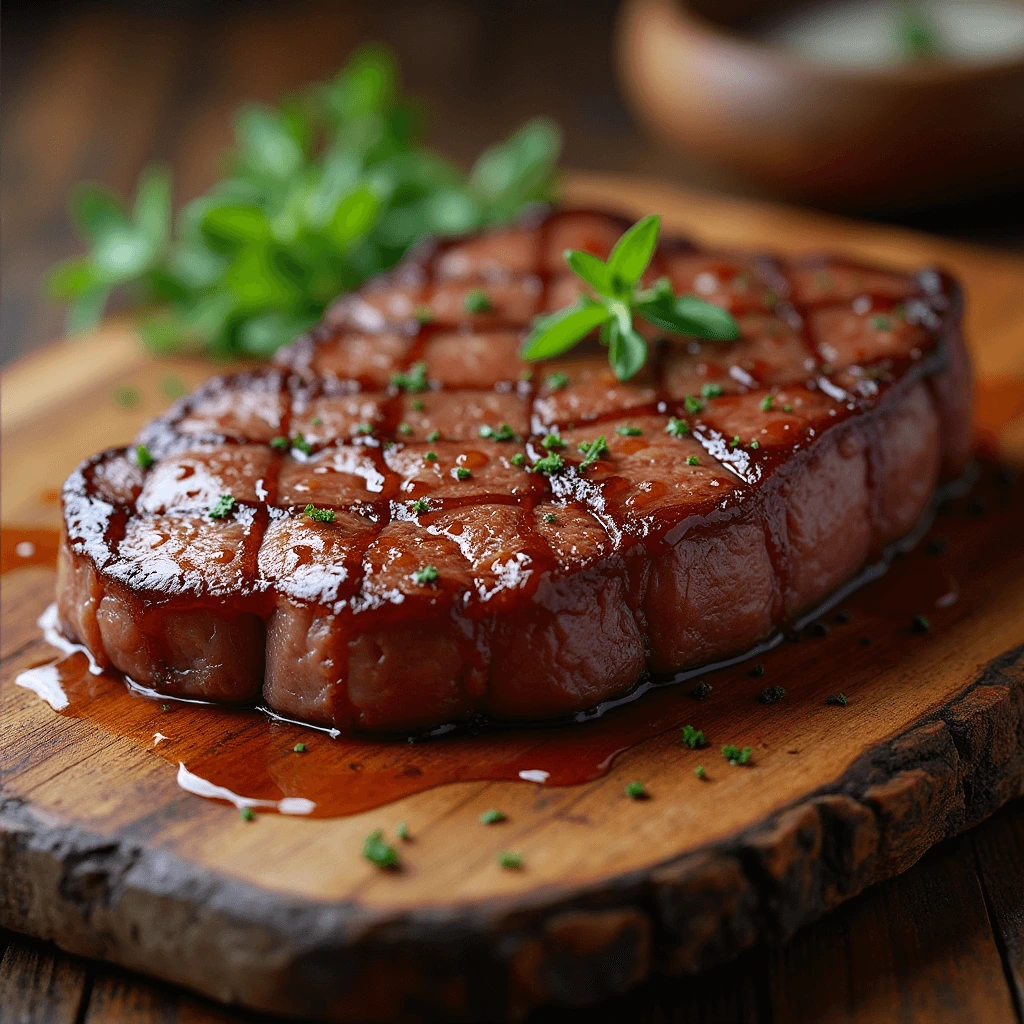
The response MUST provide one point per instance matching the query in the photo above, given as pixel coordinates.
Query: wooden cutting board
(101, 850)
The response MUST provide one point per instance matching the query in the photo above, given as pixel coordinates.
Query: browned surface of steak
(796, 455)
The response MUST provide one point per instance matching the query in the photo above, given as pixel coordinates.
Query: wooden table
(944, 942)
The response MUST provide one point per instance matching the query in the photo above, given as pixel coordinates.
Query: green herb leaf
(319, 515)
(627, 351)
(549, 464)
(590, 269)
(223, 507)
(692, 737)
(426, 574)
(593, 450)
(633, 251)
(553, 335)
(377, 850)
(735, 755)
(492, 817)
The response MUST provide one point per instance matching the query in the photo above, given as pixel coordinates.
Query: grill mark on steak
(577, 606)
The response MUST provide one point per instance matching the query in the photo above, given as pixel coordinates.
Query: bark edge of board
(238, 943)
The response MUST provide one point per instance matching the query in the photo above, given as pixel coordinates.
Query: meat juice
(249, 757)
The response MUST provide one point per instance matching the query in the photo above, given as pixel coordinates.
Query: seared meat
(738, 486)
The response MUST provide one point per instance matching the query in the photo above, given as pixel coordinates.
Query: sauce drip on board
(253, 756)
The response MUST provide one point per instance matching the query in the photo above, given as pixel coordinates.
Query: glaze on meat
(795, 455)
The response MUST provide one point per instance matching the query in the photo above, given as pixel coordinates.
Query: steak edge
(742, 484)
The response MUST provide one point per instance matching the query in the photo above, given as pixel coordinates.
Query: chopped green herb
(881, 323)
(549, 517)
(519, 459)
(711, 391)
(427, 574)
(767, 402)
(492, 816)
(434, 435)
(920, 624)
(319, 515)
(477, 301)
(127, 397)
(771, 694)
(635, 791)
(837, 699)
(787, 408)
(556, 381)
(700, 772)
(299, 748)
(165, 707)
(172, 387)
(430, 456)
(510, 861)
(143, 457)
(677, 427)
(424, 314)
(593, 450)
(701, 691)
(627, 431)
(692, 405)
(280, 443)
(247, 814)
(223, 507)
(379, 851)
(734, 443)
(420, 505)
(692, 460)
(417, 405)
(415, 380)
(621, 299)
(404, 429)
(364, 429)
(298, 441)
(692, 737)
(316, 421)
(735, 756)
(550, 464)
(755, 444)
(553, 442)
(462, 473)
(402, 831)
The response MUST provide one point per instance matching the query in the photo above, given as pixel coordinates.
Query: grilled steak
(739, 485)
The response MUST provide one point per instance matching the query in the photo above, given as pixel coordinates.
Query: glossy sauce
(251, 756)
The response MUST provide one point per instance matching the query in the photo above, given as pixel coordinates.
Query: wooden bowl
(879, 138)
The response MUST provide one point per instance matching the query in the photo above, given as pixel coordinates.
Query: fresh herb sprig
(321, 193)
(620, 299)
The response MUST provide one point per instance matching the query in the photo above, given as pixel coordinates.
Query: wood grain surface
(103, 853)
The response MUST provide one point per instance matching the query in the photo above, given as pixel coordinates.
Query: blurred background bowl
(894, 136)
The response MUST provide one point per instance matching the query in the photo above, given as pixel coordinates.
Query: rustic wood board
(102, 852)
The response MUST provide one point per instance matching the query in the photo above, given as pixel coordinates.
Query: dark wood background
(96, 90)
